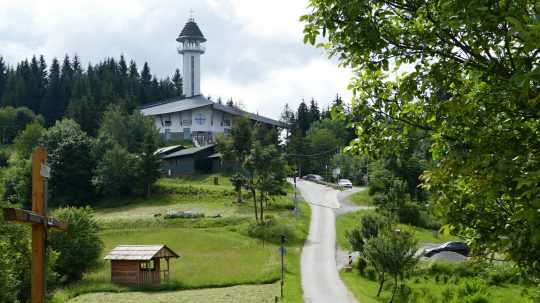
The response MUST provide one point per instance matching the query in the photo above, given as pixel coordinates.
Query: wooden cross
(40, 223)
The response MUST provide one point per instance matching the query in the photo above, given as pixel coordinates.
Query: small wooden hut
(140, 264)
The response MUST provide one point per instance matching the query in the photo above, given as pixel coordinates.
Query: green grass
(365, 290)
(361, 198)
(351, 221)
(243, 293)
(215, 252)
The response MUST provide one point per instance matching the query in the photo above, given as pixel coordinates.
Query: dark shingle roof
(191, 31)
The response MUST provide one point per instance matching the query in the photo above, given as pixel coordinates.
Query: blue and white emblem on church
(200, 119)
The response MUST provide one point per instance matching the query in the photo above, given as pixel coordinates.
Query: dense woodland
(68, 89)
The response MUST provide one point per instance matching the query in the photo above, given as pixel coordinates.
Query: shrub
(270, 231)
(361, 265)
(17, 183)
(79, 246)
(370, 273)
(71, 164)
(4, 157)
(409, 213)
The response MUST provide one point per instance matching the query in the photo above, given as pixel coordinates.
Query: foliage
(116, 172)
(14, 120)
(80, 246)
(267, 171)
(17, 183)
(28, 139)
(14, 262)
(369, 227)
(270, 230)
(125, 152)
(391, 253)
(472, 88)
(351, 167)
(82, 94)
(69, 156)
(238, 181)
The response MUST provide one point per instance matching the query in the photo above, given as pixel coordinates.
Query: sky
(254, 53)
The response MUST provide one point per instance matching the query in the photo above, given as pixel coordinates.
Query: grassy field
(361, 198)
(243, 293)
(365, 290)
(215, 252)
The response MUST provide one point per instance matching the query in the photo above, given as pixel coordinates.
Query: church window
(192, 75)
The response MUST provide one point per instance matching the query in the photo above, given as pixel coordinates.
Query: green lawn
(243, 293)
(350, 221)
(365, 291)
(361, 198)
(215, 252)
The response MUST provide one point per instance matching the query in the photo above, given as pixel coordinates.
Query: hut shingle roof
(140, 252)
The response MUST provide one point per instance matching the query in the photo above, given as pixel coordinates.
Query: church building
(193, 116)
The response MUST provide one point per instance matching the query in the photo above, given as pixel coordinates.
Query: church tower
(191, 49)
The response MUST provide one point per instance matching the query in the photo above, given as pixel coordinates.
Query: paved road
(320, 277)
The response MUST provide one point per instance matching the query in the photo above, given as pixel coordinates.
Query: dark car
(313, 177)
(455, 246)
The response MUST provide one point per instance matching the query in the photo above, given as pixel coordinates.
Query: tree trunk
(395, 289)
(381, 284)
(254, 195)
(239, 195)
(261, 198)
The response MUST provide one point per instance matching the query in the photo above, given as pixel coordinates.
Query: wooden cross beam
(40, 223)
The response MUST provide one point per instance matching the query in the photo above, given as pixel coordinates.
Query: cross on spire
(191, 15)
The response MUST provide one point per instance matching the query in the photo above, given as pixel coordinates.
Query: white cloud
(274, 19)
(254, 50)
(320, 79)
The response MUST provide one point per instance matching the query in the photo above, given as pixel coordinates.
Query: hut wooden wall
(125, 271)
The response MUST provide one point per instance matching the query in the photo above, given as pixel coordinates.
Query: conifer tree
(178, 83)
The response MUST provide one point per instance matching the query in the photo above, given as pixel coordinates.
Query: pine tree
(3, 78)
(303, 118)
(146, 84)
(314, 112)
(51, 108)
(178, 83)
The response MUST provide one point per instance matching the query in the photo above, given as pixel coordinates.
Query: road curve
(320, 277)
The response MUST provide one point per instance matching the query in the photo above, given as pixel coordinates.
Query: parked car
(455, 246)
(313, 177)
(345, 183)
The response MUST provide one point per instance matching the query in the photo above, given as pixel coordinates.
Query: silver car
(345, 183)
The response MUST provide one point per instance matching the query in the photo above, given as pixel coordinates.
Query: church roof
(178, 105)
(191, 31)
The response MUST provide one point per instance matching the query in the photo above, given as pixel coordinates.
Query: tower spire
(191, 49)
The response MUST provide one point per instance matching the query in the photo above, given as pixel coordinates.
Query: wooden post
(39, 231)
(40, 224)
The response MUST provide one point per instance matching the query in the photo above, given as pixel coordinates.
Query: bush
(270, 231)
(17, 183)
(370, 273)
(361, 265)
(116, 172)
(409, 213)
(4, 157)
(71, 164)
(79, 246)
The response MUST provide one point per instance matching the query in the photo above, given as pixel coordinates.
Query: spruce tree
(303, 118)
(178, 83)
(3, 77)
(51, 107)
(314, 112)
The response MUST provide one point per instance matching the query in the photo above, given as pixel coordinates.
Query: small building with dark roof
(188, 161)
(140, 264)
